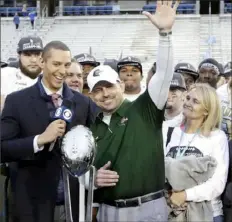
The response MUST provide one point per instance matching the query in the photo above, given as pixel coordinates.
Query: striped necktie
(55, 99)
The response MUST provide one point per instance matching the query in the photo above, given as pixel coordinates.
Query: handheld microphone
(63, 113)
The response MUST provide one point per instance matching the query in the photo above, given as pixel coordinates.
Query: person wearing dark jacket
(16, 20)
(27, 132)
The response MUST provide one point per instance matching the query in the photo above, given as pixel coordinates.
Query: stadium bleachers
(225, 34)
(110, 36)
(88, 10)
(183, 8)
(10, 11)
(83, 8)
(10, 36)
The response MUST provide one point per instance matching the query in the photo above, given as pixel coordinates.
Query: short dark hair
(73, 60)
(54, 45)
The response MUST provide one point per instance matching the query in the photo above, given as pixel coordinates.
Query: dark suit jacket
(25, 115)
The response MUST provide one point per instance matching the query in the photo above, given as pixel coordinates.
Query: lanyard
(179, 153)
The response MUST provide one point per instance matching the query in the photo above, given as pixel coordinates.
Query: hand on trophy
(164, 16)
(105, 177)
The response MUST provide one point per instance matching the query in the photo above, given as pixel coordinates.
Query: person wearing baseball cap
(130, 173)
(225, 92)
(189, 73)
(175, 100)
(29, 51)
(228, 71)
(23, 75)
(209, 72)
(174, 106)
(88, 63)
(131, 73)
(102, 73)
(112, 63)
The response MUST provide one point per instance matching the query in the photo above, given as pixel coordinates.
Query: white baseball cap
(102, 73)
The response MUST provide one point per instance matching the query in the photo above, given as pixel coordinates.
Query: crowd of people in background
(164, 151)
(31, 16)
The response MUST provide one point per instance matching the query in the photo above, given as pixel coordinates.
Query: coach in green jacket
(130, 159)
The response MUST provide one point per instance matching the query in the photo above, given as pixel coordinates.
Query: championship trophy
(78, 150)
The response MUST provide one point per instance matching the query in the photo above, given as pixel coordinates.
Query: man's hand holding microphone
(57, 128)
(53, 131)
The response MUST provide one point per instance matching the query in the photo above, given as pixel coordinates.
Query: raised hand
(164, 16)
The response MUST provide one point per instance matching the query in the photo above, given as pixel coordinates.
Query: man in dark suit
(28, 132)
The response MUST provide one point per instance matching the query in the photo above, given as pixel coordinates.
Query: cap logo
(174, 82)
(85, 58)
(228, 69)
(32, 45)
(210, 65)
(97, 73)
(182, 67)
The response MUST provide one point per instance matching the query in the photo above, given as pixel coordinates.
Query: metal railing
(41, 19)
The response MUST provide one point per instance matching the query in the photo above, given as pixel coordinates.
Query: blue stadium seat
(186, 8)
(149, 8)
(189, 8)
(181, 9)
(145, 8)
(108, 9)
(12, 11)
(79, 10)
(68, 10)
(83, 10)
(100, 10)
(31, 9)
(76, 10)
(3, 11)
(228, 8)
(20, 13)
(91, 10)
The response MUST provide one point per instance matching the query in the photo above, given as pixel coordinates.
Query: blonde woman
(200, 135)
